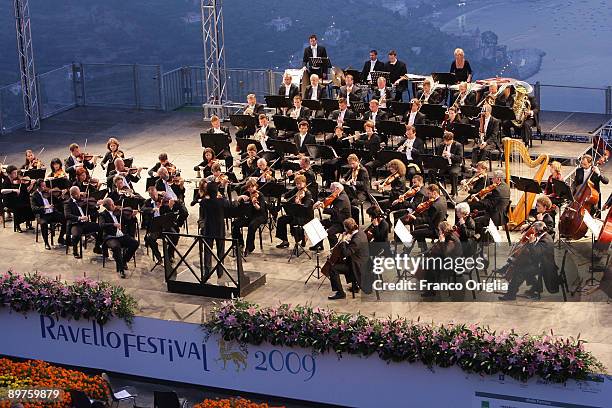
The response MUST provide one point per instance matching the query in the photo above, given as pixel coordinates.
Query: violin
(408, 194)
(299, 196)
(59, 174)
(420, 209)
(484, 192)
(331, 198)
(254, 197)
(390, 179)
(88, 156)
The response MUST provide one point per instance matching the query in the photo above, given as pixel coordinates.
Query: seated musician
(448, 246)
(544, 212)
(413, 116)
(112, 153)
(153, 207)
(265, 132)
(212, 226)
(398, 74)
(331, 167)
(530, 120)
(355, 254)
(466, 229)
(536, 257)
(478, 181)
(490, 97)
(379, 228)
(350, 92)
(163, 162)
(382, 94)
(494, 205)
(221, 179)
(356, 181)
(79, 222)
(315, 91)
(199, 195)
(370, 141)
(299, 195)
(120, 192)
(306, 170)
(78, 159)
(428, 95)
(339, 209)
(16, 197)
(47, 213)
(454, 118)
(588, 171)
(303, 138)
(299, 112)
(264, 173)
(57, 170)
(130, 175)
(461, 67)
(31, 161)
(122, 245)
(204, 169)
(84, 181)
(464, 96)
(249, 163)
(489, 136)
(343, 113)
(453, 152)
(288, 89)
(555, 174)
(374, 114)
(225, 153)
(254, 214)
(394, 185)
(251, 109)
(373, 64)
(427, 221)
(414, 196)
(413, 147)
(173, 188)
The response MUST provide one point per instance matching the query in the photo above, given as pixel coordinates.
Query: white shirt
(373, 116)
(383, 97)
(119, 233)
(372, 64)
(169, 191)
(155, 209)
(486, 124)
(587, 173)
(262, 141)
(411, 118)
(447, 148)
(79, 207)
(313, 95)
(217, 130)
(302, 137)
(348, 95)
(45, 203)
(341, 116)
(287, 89)
(409, 143)
(314, 51)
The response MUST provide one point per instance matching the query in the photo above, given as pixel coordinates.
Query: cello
(571, 223)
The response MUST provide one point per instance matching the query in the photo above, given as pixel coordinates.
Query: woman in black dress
(461, 67)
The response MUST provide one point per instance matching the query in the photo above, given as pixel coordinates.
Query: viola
(420, 209)
(331, 198)
(390, 179)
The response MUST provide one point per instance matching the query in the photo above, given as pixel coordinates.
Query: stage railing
(566, 98)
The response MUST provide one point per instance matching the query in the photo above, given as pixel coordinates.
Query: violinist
(453, 152)
(199, 195)
(120, 192)
(84, 181)
(153, 207)
(264, 174)
(204, 169)
(32, 162)
(249, 163)
(302, 197)
(306, 171)
(57, 170)
(130, 175)
(163, 162)
(212, 227)
(544, 212)
(489, 136)
(122, 245)
(414, 196)
(427, 216)
(113, 152)
(225, 153)
(254, 215)
(221, 179)
(173, 189)
(370, 141)
(378, 231)
(555, 174)
(41, 206)
(78, 159)
(338, 207)
(535, 257)
(356, 180)
(588, 171)
(413, 147)
(466, 229)
(79, 223)
(394, 185)
(355, 255)
(413, 116)
(478, 181)
(493, 204)
(448, 246)
(16, 197)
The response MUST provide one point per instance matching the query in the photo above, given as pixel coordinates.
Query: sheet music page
(315, 232)
(494, 232)
(402, 232)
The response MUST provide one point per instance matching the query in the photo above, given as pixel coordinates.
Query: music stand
(377, 74)
(319, 63)
(216, 141)
(329, 105)
(463, 132)
(321, 125)
(298, 212)
(445, 78)
(385, 156)
(323, 152)
(432, 132)
(526, 185)
(502, 112)
(277, 101)
(100, 194)
(434, 113)
(313, 105)
(283, 147)
(61, 183)
(437, 163)
(151, 181)
(356, 125)
(161, 224)
(562, 190)
(243, 143)
(391, 128)
(285, 123)
(399, 108)
(359, 107)
(356, 75)
(316, 233)
(245, 121)
(35, 174)
(128, 162)
(470, 111)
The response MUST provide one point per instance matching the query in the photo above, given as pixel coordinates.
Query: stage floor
(144, 134)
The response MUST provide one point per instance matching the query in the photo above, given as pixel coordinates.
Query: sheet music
(492, 229)
(315, 232)
(593, 224)
(402, 232)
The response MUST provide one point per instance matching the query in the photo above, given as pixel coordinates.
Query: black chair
(80, 400)
(168, 399)
(53, 226)
(118, 396)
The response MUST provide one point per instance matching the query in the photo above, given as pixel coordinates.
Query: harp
(519, 163)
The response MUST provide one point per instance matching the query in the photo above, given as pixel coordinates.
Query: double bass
(571, 223)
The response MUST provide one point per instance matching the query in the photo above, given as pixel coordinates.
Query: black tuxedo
(436, 97)
(470, 99)
(259, 108)
(308, 139)
(419, 118)
(321, 53)
(360, 189)
(454, 168)
(537, 259)
(179, 206)
(320, 92)
(293, 91)
(77, 228)
(355, 268)
(37, 205)
(123, 247)
(426, 224)
(70, 166)
(348, 114)
(380, 115)
(418, 148)
(378, 95)
(492, 140)
(304, 114)
(287, 220)
(395, 72)
(378, 66)
(338, 211)
(213, 228)
(356, 95)
(597, 180)
(495, 204)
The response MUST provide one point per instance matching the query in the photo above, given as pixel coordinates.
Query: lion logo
(238, 356)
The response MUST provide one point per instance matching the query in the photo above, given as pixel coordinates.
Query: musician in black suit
(163, 162)
(448, 246)
(130, 176)
(331, 167)
(382, 94)
(357, 179)
(317, 51)
(173, 190)
(494, 204)
(213, 209)
(537, 257)
(122, 245)
(301, 196)
(373, 64)
(530, 116)
(254, 213)
(464, 96)
(252, 108)
(397, 74)
(426, 224)
(413, 148)
(225, 153)
(339, 210)
(544, 212)
(79, 223)
(75, 160)
(154, 207)
(478, 181)
(587, 171)
(430, 96)
(249, 163)
(466, 229)
(454, 118)
(453, 152)
(370, 141)
(303, 138)
(490, 137)
(354, 248)
(420, 192)
(299, 112)
(413, 116)
(47, 213)
(315, 91)
(375, 114)
(394, 185)
(343, 113)
(16, 197)
(288, 89)
(350, 92)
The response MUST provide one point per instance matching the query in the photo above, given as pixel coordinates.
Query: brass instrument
(249, 110)
(521, 106)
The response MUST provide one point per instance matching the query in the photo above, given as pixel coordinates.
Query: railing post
(270, 82)
(160, 89)
(609, 100)
(78, 82)
(1, 125)
(536, 91)
(135, 76)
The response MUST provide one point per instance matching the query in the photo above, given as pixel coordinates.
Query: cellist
(588, 171)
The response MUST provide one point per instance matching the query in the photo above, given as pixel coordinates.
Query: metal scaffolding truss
(214, 55)
(26, 64)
